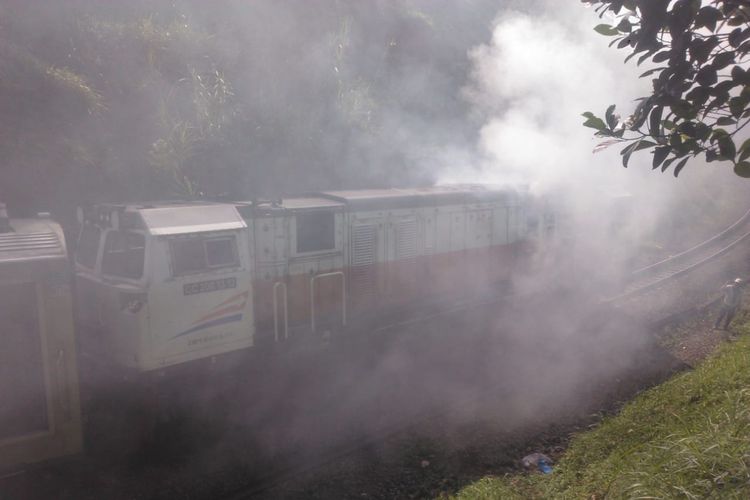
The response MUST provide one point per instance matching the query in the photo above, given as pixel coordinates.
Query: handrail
(276, 286)
(312, 296)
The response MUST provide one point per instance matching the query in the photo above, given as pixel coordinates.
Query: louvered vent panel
(29, 242)
(364, 245)
(406, 239)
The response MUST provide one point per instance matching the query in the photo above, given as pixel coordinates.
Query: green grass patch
(687, 438)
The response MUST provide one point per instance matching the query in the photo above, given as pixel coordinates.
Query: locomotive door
(24, 389)
(366, 259)
(402, 251)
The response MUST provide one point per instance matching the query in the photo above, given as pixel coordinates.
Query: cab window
(88, 246)
(124, 254)
(196, 255)
(316, 232)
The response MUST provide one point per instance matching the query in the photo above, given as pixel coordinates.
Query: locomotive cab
(164, 284)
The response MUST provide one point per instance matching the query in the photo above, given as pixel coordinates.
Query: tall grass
(687, 438)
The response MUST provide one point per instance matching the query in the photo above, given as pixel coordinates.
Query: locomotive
(177, 287)
(165, 284)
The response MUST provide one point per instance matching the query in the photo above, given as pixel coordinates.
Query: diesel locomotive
(164, 284)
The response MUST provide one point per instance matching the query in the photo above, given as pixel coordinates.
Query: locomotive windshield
(124, 253)
(195, 255)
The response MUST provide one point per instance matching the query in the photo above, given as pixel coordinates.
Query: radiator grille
(406, 239)
(364, 258)
(29, 242)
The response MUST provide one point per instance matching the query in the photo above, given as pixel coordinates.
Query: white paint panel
(191, 219)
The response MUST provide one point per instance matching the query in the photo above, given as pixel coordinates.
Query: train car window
(88, 246)
(220, 253)
(124, 253)
(316, 231)
(201, 254)
(188, 256)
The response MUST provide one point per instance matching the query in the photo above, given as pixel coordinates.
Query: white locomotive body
(164, 284)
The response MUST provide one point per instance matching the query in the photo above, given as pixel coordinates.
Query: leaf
(651, 71)
(625, 25)
(606, 30)
(742, 169)
(680, 165)
(738, 35)
(737, 106)
(643, 57)
(604, 145)
(595, 123)
(726, 147)
(626, 152)
(660, 154)
(654, 125)
(644, 144)
(744, 150)
(722, 60)
(667, 164)
(610, 117)
(725, 120)
(740, 76)
(706, 76)
(662, 56)
(707, 17)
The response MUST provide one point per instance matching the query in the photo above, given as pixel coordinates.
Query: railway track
(660, 273)
(640, 281)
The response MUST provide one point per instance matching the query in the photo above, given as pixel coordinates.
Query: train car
(40, 415)
(165, 284)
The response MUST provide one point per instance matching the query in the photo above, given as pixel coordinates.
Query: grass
(687, 438)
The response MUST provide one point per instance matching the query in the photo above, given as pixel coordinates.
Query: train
(40, 417)
(168, 287)
(165, 284)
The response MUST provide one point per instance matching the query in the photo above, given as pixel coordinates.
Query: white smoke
(529, 86)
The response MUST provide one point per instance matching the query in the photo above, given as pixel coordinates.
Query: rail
(649, 277)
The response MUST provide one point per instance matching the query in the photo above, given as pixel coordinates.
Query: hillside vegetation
(687, 438)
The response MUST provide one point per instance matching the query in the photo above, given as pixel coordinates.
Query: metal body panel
(191, 219)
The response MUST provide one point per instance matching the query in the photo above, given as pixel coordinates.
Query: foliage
(687, 438)
(187, 133)
(146, 99)
(701, 83)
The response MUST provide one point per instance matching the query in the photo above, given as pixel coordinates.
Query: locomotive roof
(32, 239)
(305, 202)
(431, 196)
(191, 218)
(167, 217)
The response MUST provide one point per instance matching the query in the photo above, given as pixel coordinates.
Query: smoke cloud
(528, 86)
